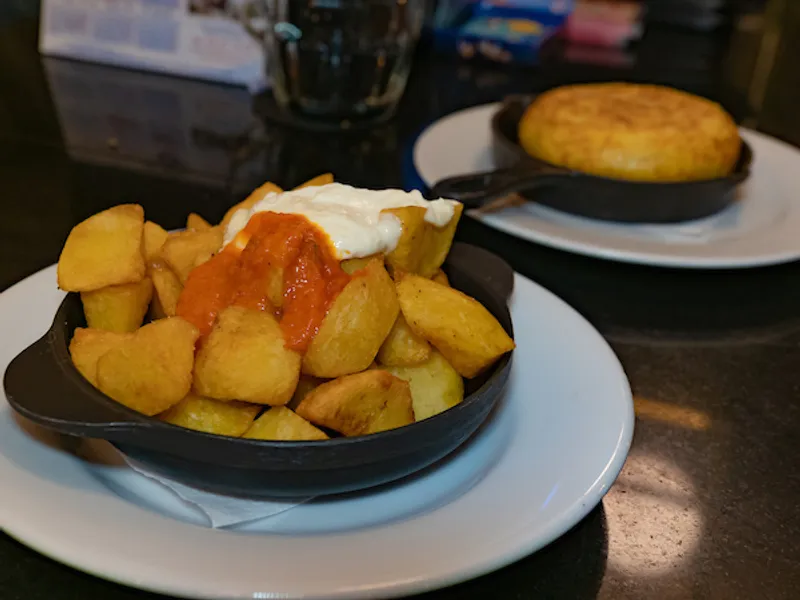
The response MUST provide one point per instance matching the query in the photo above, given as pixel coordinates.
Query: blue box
(506, 31)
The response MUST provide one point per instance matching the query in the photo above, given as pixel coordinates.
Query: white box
(194, 38)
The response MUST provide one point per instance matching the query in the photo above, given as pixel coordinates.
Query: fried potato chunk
(323, 179)
(256, 195)
(184, 250)
(195, 222)
(273, 282)
(153, 238)
(440, 277)
(280, 423)
(460, 327)
(152, 370)
(304, 386)
(407, 255)
(435, 385)
(438, 241)
(88, 345)
(212, 416)
(167, 289)
(245, 358)
(103, 250)
(358, 404)
(422, 246)
(356, 325)
(352, 265)
(403, 347)
(118, 308)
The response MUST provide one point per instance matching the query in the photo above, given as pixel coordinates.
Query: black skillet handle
(42, 385)
(477, 189)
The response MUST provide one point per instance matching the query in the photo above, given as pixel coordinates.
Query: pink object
(604, 23)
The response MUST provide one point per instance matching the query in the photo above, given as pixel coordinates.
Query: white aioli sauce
(350, 216)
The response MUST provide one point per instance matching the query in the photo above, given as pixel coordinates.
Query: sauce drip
(280, 263)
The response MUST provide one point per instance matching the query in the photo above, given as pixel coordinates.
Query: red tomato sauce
(272, 245)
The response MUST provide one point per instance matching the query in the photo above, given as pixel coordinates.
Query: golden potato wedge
(88, 345)
(356, 325)
(153, 238)
(422, 246)
(212, 416)
(435, 385)
(103, 250)
(280, 423)
(304, 386)
(397, 412)
(152, 370)
(440, 277)
(256, 195)
(245, 358)
(403, 347)
(358, 404)
(323, 179)
(467, 334)
(438, 241)
(184, 250)
(351, 265)
(167, 289)
(407, 254)
(273, 280)
(118, 308)
(195, 222)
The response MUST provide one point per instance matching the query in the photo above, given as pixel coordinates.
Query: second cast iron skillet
(581, 194)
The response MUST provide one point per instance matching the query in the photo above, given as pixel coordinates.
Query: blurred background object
(762, 62)
(746, 65)
(334, 64)
(193, 38)
(504, 31)
(612, 23)
(702, 15)
(517, 31)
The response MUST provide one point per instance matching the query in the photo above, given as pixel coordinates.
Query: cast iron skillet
(581, 194)
(42, 384)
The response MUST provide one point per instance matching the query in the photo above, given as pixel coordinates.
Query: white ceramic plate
(760, 229)
(547, 455)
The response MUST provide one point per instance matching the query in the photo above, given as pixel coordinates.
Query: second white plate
(760, 229)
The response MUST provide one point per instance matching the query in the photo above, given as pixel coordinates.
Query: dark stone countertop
(706, 506)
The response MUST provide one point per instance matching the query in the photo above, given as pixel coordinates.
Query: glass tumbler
(342, 62)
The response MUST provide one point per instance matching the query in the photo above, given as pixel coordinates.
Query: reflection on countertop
(182, 129)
